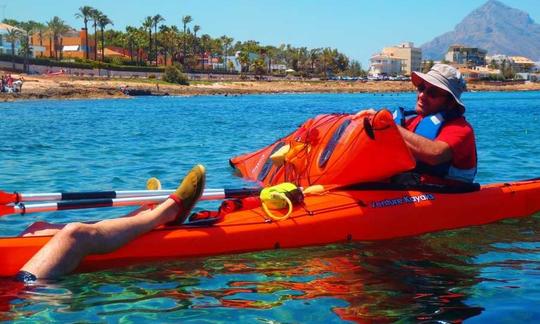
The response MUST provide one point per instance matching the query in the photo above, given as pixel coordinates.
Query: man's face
(431, 99)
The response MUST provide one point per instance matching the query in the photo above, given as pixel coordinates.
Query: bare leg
(63, 253)
(48, 229)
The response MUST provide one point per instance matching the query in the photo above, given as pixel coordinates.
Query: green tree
(207, 47)
(185, 21)
(269, 52)
(40, 30)
(226, 43)
(327, 60)
(29, 28)
(173, 74)
(95, 14)
(169, 39)
(195, 50)
(136, 40)
(494, 65)
(11, 22)
(258, 67)
(157, 19)
(314, 58)
(57, 27)
(507, 70)
(243, 58)
(103, 21)
(85, 13)
(12, 36)
(355, 69)
(147, 24)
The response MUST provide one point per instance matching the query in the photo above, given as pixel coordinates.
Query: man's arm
(425, 150)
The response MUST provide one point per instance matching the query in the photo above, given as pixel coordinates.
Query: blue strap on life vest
(429, 127)
(401, 115)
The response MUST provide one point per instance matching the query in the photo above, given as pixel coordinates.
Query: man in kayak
(70, 244)
(437, 134)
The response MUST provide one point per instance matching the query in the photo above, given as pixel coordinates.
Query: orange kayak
(339, 216)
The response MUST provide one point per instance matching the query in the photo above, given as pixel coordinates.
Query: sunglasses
(431, 92)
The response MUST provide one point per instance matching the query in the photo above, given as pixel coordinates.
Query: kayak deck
(337, 216)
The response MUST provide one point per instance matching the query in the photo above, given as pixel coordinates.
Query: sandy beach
(67, 87)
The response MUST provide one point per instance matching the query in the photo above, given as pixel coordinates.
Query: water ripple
(482, 274)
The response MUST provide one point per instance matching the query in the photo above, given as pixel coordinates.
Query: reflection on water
(483, 274)
(447, 277)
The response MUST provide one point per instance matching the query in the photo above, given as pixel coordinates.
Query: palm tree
(95, 14)
(270, 53)
(40, 29)
(206, 47)
(136, 39)
(156, 20)
(226, 41)
(148, 23)
(243, 58)
(169, 40)
(314, 55)
(327, 58)
(13, 34)
(196, 28)
(29, 27)
(130, 38)
(56, 28)
(103, 21)
(85, 13)
(185, 20)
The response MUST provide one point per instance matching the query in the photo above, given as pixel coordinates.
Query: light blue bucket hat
(445, 77)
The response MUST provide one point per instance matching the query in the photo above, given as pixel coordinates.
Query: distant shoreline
(66, 87)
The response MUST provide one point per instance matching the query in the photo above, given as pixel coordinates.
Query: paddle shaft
(64, 196)
(24, 208)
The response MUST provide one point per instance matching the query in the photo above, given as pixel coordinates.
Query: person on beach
(72, 242)
(439, 137)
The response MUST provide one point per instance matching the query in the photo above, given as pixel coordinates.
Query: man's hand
(365, 113)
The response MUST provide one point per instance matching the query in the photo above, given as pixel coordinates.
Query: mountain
(495, 27)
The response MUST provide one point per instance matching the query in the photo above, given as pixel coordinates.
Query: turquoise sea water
(483, 274)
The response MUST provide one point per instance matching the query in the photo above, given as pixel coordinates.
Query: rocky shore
(65, 87)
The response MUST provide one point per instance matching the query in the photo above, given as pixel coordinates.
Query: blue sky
(357, 28)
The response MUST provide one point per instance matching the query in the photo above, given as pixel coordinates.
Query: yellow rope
(278, 196)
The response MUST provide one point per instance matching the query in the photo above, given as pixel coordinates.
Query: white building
(232, 63)
(383, 64)
(497, 58)
(227, 62)
(411, 57)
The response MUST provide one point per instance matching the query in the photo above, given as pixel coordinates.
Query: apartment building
(70, 44)
(383, 64)
(410, 56)
(466, 56)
